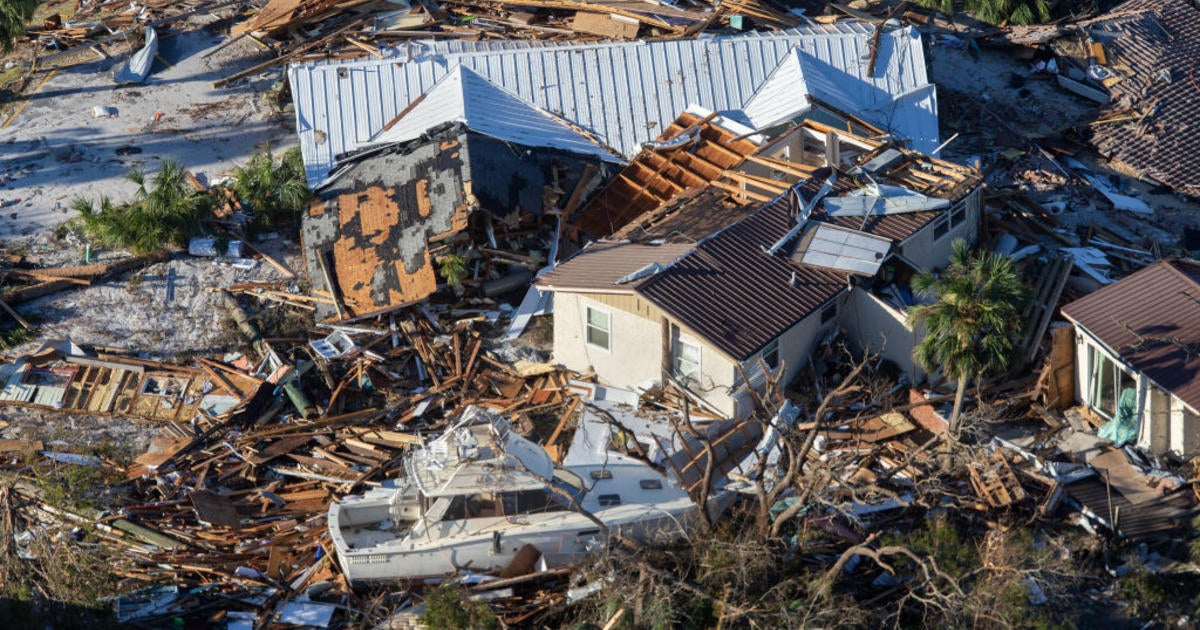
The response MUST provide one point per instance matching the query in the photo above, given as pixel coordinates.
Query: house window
(1111, 388)
(687, 360)
(770, 354)
(599, 327)
(950, 220)
(829, 312)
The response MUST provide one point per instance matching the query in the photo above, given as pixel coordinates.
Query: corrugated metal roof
(599, 266)
(733, 294)
(1152, 320)
(776, 100)
(464, 96)
(622, 93)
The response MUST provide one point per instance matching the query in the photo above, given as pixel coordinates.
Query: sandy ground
(55, 149)
(163, 311)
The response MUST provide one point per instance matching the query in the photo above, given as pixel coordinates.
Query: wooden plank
(605, 25)
(791, 168)
(279, 447)
(740, 192)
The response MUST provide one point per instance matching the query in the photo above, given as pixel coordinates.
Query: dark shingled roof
(1143, 40)
(1152, 320)
(736, 296)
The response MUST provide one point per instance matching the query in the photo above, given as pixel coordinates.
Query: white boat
(479, 493)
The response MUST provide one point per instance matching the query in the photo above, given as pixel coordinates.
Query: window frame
(829, 312)
(588, 326)
(677, 359)
(949, 220)
(772, 348)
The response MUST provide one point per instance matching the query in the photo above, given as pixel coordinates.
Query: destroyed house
(68, 380)
(1137, 356)
(467, 146)
(1140, 60)
(625, 94)
(765, 290)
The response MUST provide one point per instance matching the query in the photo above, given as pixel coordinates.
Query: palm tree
(973, 325)
(169, 213)
(275, 192)
(13, 16)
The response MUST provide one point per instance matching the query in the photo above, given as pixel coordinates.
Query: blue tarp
(1122, 429)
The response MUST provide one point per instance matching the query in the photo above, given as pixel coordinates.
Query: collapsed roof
(624, 94)
(1147, 56)
(730, 287)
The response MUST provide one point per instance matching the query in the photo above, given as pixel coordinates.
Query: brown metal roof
(1152, 320)
(736, 296)
(599, 266)
(1144, 39)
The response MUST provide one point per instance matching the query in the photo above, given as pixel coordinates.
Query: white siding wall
(635, 355)
(1175, 428)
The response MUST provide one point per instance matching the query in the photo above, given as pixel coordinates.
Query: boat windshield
(491, 505)
(570, 483)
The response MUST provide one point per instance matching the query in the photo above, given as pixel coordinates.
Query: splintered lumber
(995, 482)
(353, 23)
(148, 535)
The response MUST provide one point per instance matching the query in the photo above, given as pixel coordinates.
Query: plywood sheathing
(373, 268)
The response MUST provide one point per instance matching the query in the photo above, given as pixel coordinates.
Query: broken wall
(874, 326)
(368, 232)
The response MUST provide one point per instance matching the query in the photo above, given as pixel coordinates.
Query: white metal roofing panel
(846, 250)
(49, 396)
(464, 96)
(623, 93)
(781, 97)
(16, 391)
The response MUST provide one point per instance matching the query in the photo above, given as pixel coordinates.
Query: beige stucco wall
(635, 353)
(927, 253)
(877, 327)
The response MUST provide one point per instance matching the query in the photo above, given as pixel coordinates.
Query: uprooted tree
(275, 190)
(973, 325)
(997, 11)
(798, 554)
(169, 208)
